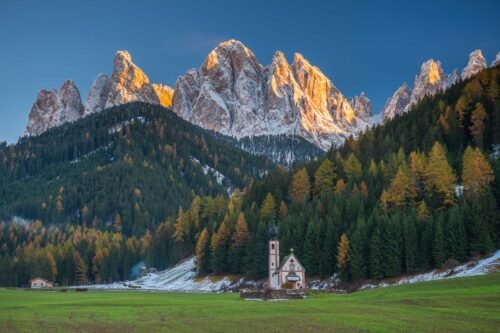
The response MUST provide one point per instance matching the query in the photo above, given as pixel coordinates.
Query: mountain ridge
(431, 80)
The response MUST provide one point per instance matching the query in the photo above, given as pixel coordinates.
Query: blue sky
(371, 46)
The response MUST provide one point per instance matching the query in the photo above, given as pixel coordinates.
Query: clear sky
(372, 46)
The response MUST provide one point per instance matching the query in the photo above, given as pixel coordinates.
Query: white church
(287, 274)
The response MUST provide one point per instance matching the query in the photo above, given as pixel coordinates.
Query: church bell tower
(274, 259)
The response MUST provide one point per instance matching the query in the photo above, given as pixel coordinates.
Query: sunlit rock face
(129, 83)
(164, 93)
(53, 108)
(429, 82)
(476, 64)
(432, 80)
(232, 93)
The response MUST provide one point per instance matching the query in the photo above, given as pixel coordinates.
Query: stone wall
(269, 294)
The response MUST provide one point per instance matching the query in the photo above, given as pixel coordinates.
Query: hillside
(408, 196)
(414, 194)
(136, 162)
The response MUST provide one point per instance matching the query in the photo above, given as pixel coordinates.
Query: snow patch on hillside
(181, 277)
(488, 265)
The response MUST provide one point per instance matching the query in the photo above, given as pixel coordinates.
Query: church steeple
(274, 258)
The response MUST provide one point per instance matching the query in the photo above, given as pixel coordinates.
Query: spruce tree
(357, 265)
(376, 256)
(438, 254)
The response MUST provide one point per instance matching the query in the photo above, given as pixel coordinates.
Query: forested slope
(404, 197)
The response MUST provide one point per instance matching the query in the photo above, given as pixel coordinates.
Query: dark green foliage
(144, 173)
(138, 160)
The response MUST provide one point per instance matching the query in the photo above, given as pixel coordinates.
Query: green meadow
(456, 305)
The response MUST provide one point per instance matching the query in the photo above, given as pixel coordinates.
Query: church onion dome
(273, 232)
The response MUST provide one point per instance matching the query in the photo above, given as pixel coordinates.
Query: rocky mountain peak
(234, 94)
(53, 108)
(397, 103)
(126, 73)
(452, 78)
(128, 83)
(431, 71)
(361, 105)
(496, 61)
(98, 94)
(430, 81)
(164, 93)
(476, 64)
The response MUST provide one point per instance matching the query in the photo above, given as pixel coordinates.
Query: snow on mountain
(53, 108)
(232, 93)
(128, 83)
(361, 105)
(397, 103)
(476, 64)
(431, 80)
(451, 79)
(496, 61)
(98, 94)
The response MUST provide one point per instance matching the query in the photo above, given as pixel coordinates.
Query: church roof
(285, 259)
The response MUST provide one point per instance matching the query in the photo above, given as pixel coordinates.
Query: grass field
(456, 305)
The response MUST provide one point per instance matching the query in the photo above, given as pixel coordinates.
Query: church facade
(287, 274)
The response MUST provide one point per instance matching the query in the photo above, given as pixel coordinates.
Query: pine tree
(324, 178)
(481, 219)
(352, 167)
(343, 256)
(283, 212)
(439, 177)
(477, 172)
(373, 170)
(390, 238)
(402, 191)
(268, 209)
(357, 265)
(327, 250)
(477, 129)
(300, 188)
(80, 269)
(311, 249)
(417, 163)
(240, 243)
(220, 246)
(410, 245)
(201, 252)
(376, 255)
(438, 255)
(454, 235)
(422, 211)
(180, 227)
(340, 186)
